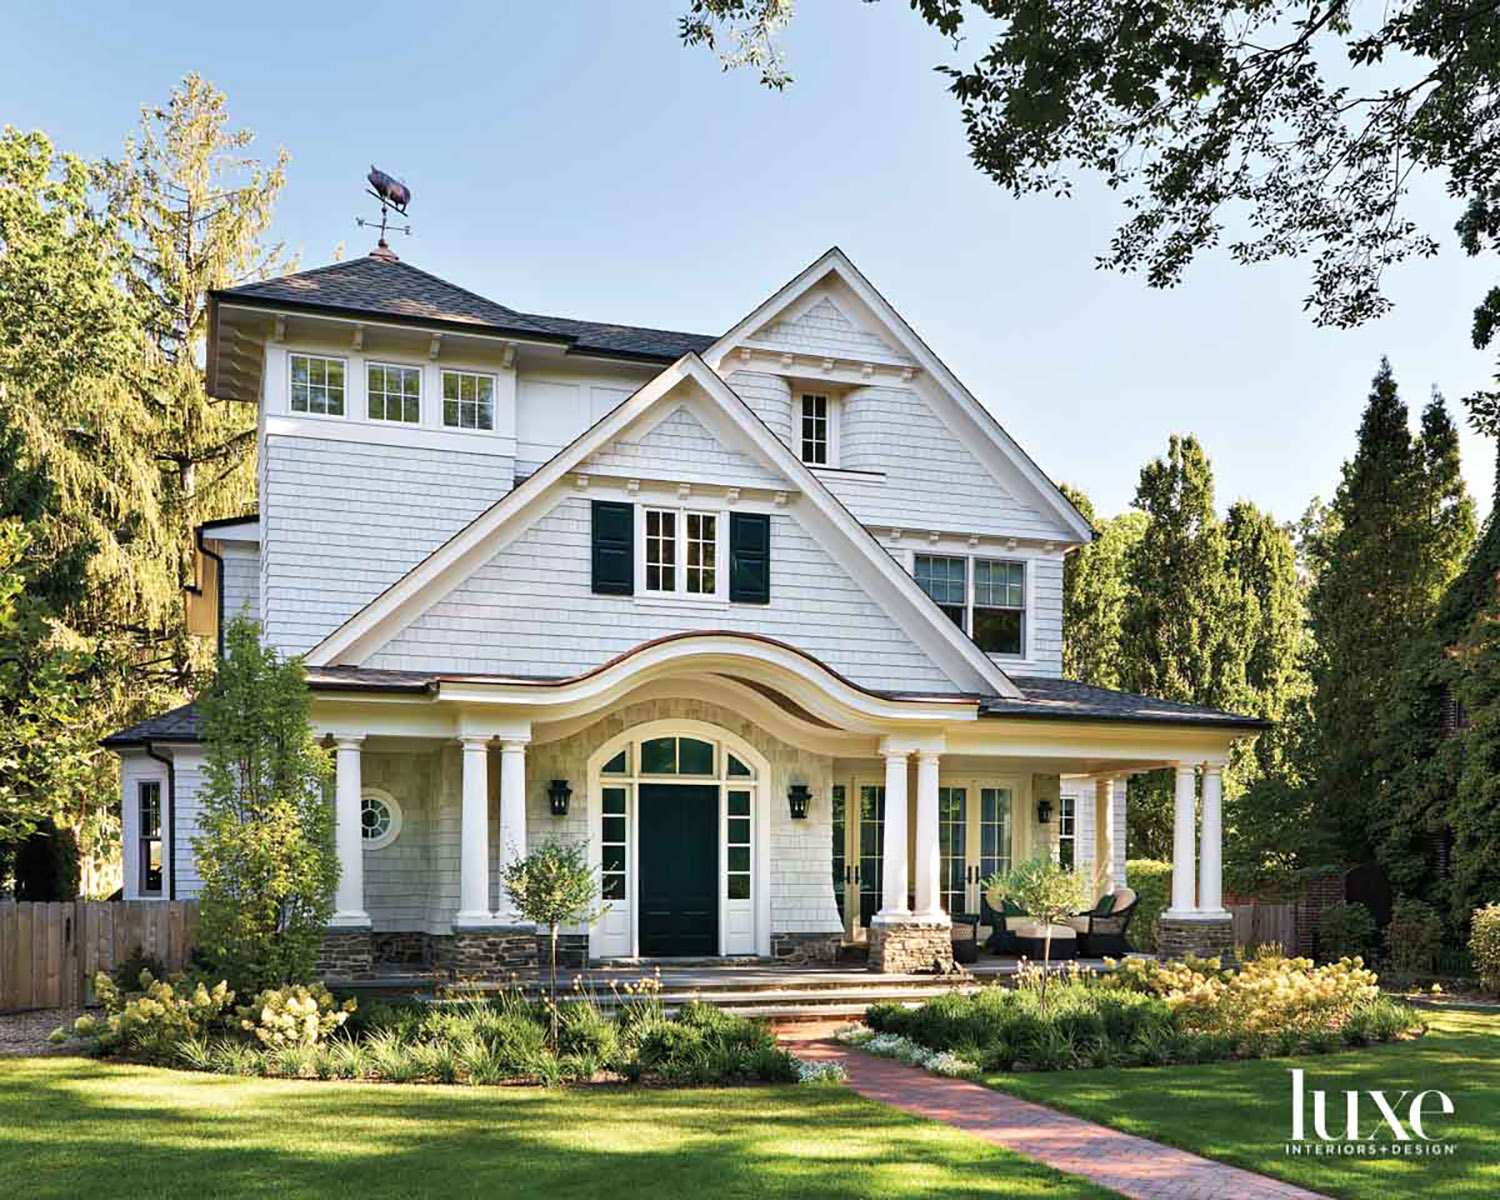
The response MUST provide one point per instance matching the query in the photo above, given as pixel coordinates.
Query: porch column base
(797, 949)
(1205, 935)
(485, 950)
(346, 953)
(911, 947)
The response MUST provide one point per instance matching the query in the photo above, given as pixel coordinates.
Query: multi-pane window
(953, 834)
(682, 552)
(317, 385)
(815, 429)
(468, 400)
(871, 864)
(999, 606)
(677, 756)
(148, 802)
(393, 393)
(837, 803)
(737, 846)
(614, 844)
(1066, 829)
(945, 579)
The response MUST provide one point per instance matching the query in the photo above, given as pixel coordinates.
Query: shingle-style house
(771, 620)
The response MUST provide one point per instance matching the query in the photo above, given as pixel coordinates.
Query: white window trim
(393, 807)
(421, 371)
(141, 839)
(680, 595)
(442, 422)
(834, 414)
(348, 385)
(1028, 596)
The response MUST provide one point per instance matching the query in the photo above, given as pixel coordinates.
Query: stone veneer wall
(345, 954)
(916, 947)
(1204, 937)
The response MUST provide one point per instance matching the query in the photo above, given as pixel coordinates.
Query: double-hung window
(317, 385)
(817, 430)
(992, 611)
(468, 400)
(393, 393)
(681, 552)
(148, 825)
(999, 624)
(945, 578)
(1067, 847)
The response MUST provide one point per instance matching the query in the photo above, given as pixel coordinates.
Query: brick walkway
(1129, 1165)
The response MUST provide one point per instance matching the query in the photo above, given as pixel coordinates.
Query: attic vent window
(816, 432)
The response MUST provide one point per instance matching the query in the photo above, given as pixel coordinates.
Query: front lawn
(1240, 1112)
(75, 1127)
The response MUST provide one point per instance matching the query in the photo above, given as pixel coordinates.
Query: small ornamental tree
(1044, 890)
(554, 886)
(265, 848)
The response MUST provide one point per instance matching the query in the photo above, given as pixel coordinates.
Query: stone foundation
(1211, 937)
(799, 949)
(910, 948)
(491, 952)
(346, 954)
(407, 949)
(572, 950)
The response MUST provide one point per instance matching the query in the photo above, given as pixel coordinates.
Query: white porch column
(348, 837)
(1103, 831)
(1184, 900)
(929, 855)
(474, 833)
(893, 906)
(512, 814)
(1117, 828)
(1211, 860)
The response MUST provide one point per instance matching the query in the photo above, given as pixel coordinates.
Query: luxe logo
(1404, 1126)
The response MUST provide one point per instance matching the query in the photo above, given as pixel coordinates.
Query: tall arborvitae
(1094, 595)
(1399, 526)
(196, 208)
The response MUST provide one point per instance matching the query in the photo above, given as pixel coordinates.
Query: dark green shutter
(750, 558)
(614, 548)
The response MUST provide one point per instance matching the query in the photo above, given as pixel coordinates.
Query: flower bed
(1144, 1013)
(470, 1038)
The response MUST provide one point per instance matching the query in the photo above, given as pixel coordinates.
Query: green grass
(1240, 1112)
(75, 1127)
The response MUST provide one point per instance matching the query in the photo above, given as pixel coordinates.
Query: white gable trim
(994, 446)
(825, 519)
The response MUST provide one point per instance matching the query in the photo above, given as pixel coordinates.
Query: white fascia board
(826, 518)
(994, 440)
(1157, 744)
(241, 531)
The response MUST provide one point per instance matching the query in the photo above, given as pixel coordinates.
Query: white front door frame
(610, 937)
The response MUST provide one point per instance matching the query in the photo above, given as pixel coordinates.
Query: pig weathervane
(392, 193)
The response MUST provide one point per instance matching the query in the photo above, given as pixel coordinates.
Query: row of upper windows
(392, 392)
(985, 597)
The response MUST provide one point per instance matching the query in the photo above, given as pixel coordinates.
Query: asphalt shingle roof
(1067, 699)
(387, 287)
(180, 724)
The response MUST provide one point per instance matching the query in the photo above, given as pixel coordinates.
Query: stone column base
(1205, 937)
(912, 948)
(492, 950)
(572, 950)
(346, 954)
(797, 949)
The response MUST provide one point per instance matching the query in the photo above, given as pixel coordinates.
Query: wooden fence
(49, 953)
(1256, 923)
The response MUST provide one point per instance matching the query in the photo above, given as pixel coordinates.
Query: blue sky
(572, 158)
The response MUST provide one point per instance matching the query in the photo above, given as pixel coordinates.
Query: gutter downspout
(171, 817)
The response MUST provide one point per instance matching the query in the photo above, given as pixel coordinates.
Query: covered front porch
(738, 800)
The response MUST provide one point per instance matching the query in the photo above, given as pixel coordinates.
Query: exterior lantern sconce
(1044, 810)
(798, 798)
(558, 794)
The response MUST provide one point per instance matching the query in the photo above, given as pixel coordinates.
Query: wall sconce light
(798, 798)
(1044, 810)
(558, 794)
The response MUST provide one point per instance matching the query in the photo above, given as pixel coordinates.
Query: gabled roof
(997, 445)
(889, 585)
(388, 288)
(180, 724)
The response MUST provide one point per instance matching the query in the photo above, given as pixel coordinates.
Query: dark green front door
(679, 866)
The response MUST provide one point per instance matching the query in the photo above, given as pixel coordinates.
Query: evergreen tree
(1095, 589)
(1398, 528)
(196, 209)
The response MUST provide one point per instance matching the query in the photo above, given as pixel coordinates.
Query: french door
(976, 836)
(858, 851)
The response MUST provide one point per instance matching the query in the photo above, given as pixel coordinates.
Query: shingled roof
(1067, 699)
(180, 724)
(386, 287)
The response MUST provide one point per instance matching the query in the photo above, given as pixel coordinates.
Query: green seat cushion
(1012, 909)
(1106, 905)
